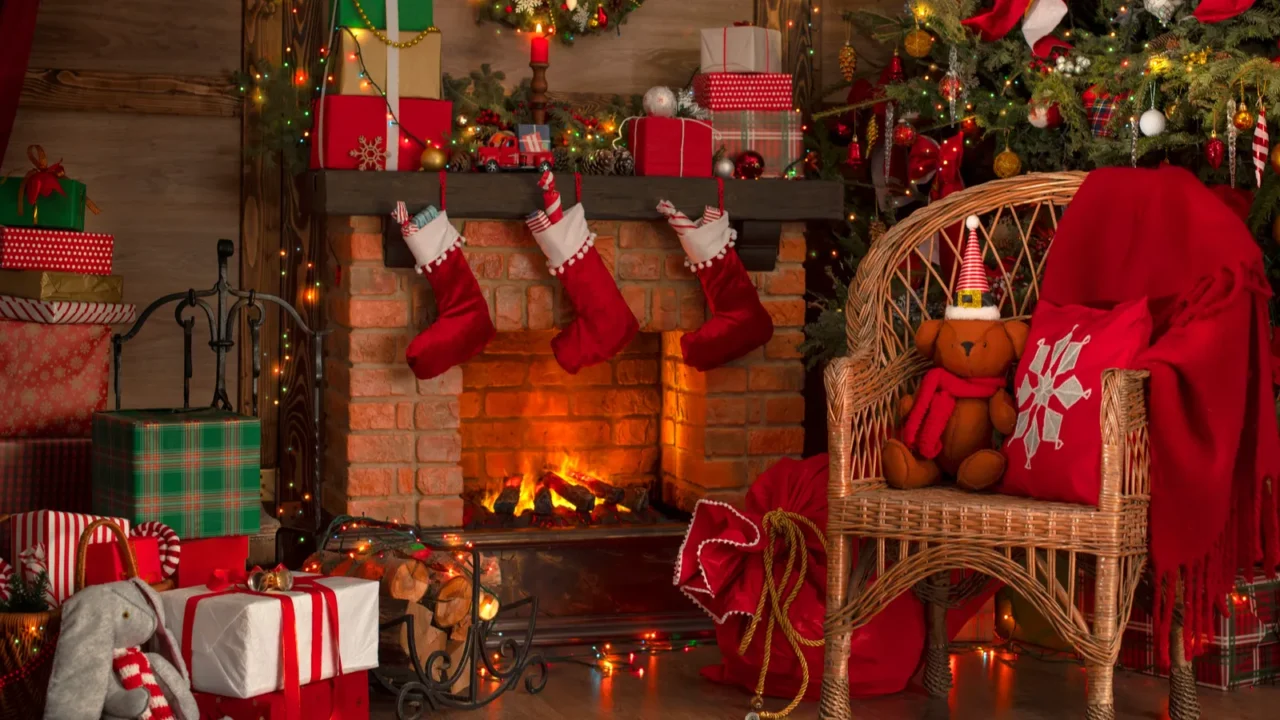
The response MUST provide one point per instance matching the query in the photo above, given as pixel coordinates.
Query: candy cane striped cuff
(564, 242)
(432, 243)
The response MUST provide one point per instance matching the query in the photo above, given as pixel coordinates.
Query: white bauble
(659, 101)
(571, 5)
(1152, 122)
(1083, 63)
(1162, 9)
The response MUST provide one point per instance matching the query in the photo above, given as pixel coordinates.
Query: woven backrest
(907, 277)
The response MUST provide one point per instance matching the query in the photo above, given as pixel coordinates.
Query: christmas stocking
(462, 326)
(603, 324)
(739, 323)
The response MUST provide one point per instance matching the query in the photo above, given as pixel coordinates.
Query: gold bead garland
(383, 36)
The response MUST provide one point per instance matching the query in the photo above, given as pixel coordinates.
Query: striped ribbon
(551, 196)
(1261, 145)
(676, 219)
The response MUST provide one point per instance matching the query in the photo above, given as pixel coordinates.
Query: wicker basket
(27, 643)
(126, 554)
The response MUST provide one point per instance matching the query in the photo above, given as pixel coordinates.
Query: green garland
(568, 19)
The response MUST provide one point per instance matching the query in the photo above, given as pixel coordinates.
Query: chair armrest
(861, 415)
(1126, 464)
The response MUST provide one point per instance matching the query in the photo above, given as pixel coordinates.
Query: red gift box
(739, 91)
(23, 248)
(345, 697)
(54, 378)
(201, 557)
(351, 132)
(103, 564)
(671, 147)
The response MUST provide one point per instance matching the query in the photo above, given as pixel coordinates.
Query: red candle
(540, 51)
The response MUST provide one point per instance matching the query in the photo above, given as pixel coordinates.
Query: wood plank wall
(168, 184)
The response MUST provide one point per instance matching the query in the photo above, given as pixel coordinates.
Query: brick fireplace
(403, 449)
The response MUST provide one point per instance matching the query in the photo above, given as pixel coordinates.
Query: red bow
(223, 578)
(927, 158)
(743, 23)
(43, 180)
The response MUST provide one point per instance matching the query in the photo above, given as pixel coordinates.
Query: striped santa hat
(973, 295)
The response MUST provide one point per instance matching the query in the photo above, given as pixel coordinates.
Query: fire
(568, 467)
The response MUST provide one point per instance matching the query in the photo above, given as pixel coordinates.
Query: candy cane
(1261, 143)
(550, 197)
(710, 215)
(6, 574)
(170, 544)
(401, 216)
(678, 220)
(538, 222)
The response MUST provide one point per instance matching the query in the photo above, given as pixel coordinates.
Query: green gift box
(57, 211)
(415, 15)
(196, 471)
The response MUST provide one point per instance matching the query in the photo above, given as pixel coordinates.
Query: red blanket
(1215, 453)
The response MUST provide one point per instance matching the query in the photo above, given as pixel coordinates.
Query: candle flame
(539, 30)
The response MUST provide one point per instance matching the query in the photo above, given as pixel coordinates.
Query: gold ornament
(593, 22)
(873, 133)
(918, 43)
(434, 159)
(1007, 164)
(848, 62)
(1243, 119)
(1275, 158)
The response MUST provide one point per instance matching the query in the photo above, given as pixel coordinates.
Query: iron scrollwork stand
(222, 322)
(428, 685)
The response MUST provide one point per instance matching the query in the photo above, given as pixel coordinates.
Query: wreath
(566, 19)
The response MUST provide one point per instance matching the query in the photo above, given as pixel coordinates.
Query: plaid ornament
(777, 136)
(45, 473)
(196, 471)
(1099, 107)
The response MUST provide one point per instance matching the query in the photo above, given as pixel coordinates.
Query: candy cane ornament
(169, 543)
(551, 197)
(6, 575)
(1261, 145)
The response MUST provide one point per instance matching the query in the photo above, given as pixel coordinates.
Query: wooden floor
(1021, 688)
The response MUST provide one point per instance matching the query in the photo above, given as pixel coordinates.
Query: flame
(567, 467)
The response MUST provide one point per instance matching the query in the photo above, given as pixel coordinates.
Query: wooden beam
(801, 29)
(85, 90)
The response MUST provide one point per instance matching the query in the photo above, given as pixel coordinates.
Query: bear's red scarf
(935, 401)
(1215, 453)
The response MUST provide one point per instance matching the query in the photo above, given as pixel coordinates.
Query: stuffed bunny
(101, 627)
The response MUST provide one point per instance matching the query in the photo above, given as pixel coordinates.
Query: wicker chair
(909, 539)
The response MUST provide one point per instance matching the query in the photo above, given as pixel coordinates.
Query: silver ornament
(1232, 133)
(1162, 9)
(888, 138)
(723, 168)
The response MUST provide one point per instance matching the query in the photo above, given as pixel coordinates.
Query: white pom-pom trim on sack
(169, 543)
(581, 253)
(457, 245)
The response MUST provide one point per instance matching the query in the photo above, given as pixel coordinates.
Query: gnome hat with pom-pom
(973, 295)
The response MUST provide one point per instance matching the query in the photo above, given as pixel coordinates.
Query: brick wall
(400, 448)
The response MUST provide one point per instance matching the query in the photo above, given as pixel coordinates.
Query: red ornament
(855, 161)
(840, 132)
(749, 166)
(969, 126)
(601, 17)
(897, 73)
(903, 134)
(950, 87)
(1213, 151)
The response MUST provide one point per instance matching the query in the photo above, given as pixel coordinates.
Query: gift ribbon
(393, 87)
(43, 180)
(324, 602)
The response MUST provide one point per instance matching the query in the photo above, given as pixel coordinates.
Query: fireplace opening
(543, 448)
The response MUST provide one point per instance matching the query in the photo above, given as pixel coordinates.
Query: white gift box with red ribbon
(741, 49)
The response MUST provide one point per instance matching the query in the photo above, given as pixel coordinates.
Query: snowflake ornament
(527, 6)
(370, 154)
(582, 18)
(1047, 380)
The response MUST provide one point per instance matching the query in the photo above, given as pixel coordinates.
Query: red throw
(935, 401)
(1215, 453)
(17, 27)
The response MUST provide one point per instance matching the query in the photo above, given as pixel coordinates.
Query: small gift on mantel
(54, 379)
(43, 473)
(59, 534)
(777, 136)
(70, 287)
(242, 644)
(741, 48)
(402, 15)
(671, 147)
(409, 64)
(44, 196)
(196, 470)
(58, 250)
(352, 132)
(345, 697)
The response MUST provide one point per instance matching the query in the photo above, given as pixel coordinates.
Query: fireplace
(644, 426)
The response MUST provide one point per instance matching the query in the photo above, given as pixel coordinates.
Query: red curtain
(17, 26)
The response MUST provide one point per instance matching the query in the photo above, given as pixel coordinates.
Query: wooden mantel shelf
(513, 196)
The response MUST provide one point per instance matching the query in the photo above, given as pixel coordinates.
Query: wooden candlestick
(538, 96)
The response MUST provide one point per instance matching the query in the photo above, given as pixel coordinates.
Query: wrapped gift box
(72, 287)
(346, 125)
(414, 15)
(61, 211)
(64, 312)
(345, 697)
(45, 473)
(741, 49)
(54, 378)
(58, 250)
(200, 558)
(60, 533)
(193, 470)
(777, 136)
(233, 639)
(671, 147)
(743, 91)
(415, 67)
(103, 564)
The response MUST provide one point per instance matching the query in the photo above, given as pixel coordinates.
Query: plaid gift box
(54, 378)
(720, 92)
(777, 136)
(45, 473)
(58, 250)
(196, 471)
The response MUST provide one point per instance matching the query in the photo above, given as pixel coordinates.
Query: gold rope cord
(383, 36)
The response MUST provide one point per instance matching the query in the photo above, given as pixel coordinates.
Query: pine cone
(623, 163)
(460, 161)
(848, 62)
(599, 162)
(563, 159)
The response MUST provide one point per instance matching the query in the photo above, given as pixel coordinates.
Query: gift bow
(43, 180)
(927, 157)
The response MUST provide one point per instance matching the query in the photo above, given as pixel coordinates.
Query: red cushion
(1055, 452)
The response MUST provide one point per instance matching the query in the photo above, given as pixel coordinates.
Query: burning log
(635, 498)
(542, 502)
(576, 495)
(509, 497)
(599, 488)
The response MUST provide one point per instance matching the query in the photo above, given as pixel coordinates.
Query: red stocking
(462, 326)
(604, 324)
(739, 323)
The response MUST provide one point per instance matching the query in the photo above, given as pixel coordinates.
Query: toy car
(504, 152)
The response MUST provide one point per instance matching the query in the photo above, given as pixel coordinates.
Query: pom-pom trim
(581, 252)
(733, 238)
(457, 245)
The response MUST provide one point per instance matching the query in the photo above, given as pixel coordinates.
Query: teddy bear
(947, 424)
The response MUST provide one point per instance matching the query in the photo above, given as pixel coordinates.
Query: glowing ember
(567, 469)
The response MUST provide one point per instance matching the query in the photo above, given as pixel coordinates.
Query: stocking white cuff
(431, 243)
(706, 243)
(567, 241)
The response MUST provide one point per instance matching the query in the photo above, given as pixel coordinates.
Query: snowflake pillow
(1055, 451)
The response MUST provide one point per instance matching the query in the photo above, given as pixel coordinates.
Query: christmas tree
(1021, 86)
